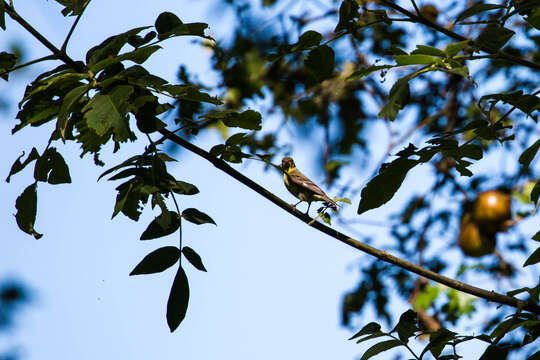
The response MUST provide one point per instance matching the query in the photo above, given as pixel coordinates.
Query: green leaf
(184, 188)
(477, 9)
(452, 49)
(494, 37)
(197, 217)
(165, 224)
(52, 168)
(535, 193)
(111, 46)
(72, 97)
(106, 112)
(26, 205)
(367, 70)
(18, 166)
(370, 328)
(320, 62)
(426, 297)
(138, 56)
(178, 300)
(536, 236)
(399, 97)
(414, 59)
(193, 258)
(533, 259)
(533, 18)
(73, 7)
(157, 261)
(190, 93)
(380, 347)
(348, 11)
(7, 60)
(528, 155)
(249, 119)
(307, 40)
(526, 103)
(429, 50)
(383, 186)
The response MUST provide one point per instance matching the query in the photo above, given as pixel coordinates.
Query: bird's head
(287, 163)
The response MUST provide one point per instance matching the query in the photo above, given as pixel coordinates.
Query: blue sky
(273, 287)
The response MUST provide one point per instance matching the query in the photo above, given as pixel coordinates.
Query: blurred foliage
(443, 85)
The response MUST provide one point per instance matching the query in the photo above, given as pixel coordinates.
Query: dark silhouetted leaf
(73, 7)
(184, 188)
(193, 258)
(383, 186)
(7, 60)
(26, 205)
(110, 47)
(536, 236)
(168, 24)
(52, 168)
(18, 166)
(526, 103)
(307, 40)
(166, 223)
(494, 37)
(437, 342)
(320, 61)
(535, 193)
(380, 347)
(178, 300)
(533, 259)
(528, 155)
(494, 352)
(477, 9)
(157, 261)
(406, 326)
(370, 328)
(138, 56)
(197, 217)
(69, 100)
(248, 119)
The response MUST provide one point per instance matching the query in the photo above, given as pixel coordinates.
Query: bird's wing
(300, 179)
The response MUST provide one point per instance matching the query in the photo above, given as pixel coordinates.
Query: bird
(300, 186)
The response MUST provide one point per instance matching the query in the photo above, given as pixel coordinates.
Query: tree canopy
(444, 94)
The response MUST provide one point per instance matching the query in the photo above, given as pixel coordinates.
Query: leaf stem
(44, 58)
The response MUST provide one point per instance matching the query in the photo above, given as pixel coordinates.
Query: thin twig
(45, 58)
(65, 44)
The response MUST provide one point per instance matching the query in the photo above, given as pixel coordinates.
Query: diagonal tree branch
(380, 254)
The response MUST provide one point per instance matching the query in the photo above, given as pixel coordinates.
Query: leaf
(2, 15)
(184, 188)
(111, 46)
(26, 205)
(348, 11)
(168, 24)
(178, 300)
(414, 59)
(7, 60)
(165, 224)
(437, 342)
(533, 259)
(73, 7)
(307, 40)
(406, 326)
(526, 103)
(452, 49)
(533, 18)
(157, 261)
(248, 119)
(528, 155)
(493, 352)
(428, 50)
(138, 56)
(399, 97)
(536, 236)
(370, 328)
(382, 187)
(197, 217)
(535, 193)
(367, 70)
(52, 168)
(105, 112)
(320, 61)
(190, 93)
(534, 356)
(477, 9)
(193, 258)
(18, 166)
(65, 109)
(380, 347)
(494, 37)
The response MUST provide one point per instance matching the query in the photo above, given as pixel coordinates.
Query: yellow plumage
(300, 186)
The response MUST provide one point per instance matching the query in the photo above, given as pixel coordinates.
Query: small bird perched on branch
(301, 187)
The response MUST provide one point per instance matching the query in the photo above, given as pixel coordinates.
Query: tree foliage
(424, 71)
